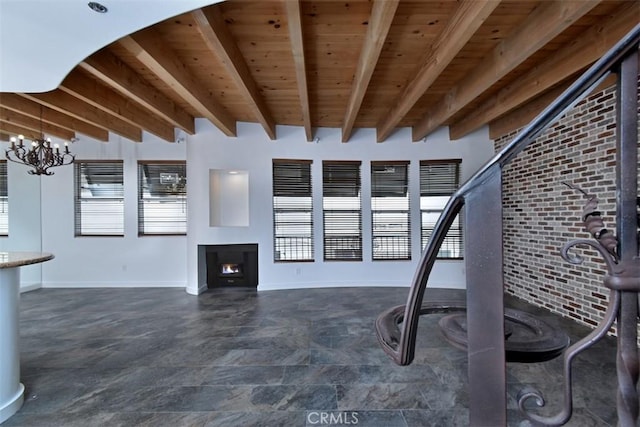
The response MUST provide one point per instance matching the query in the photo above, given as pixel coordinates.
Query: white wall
(253, 152)
(42, 218)
(109, 261)
(24, 221)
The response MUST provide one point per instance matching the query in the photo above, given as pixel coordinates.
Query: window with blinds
(99, 198)
(4, 200)
(391, 224)
(292, 210)
(341, 208)
(439, 179)
(162, 198)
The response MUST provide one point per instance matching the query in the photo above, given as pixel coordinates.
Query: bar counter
(11, 390)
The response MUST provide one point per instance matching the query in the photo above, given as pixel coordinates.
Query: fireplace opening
(233, 265)
(230, 269)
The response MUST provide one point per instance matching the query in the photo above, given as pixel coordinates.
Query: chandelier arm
(40, 157)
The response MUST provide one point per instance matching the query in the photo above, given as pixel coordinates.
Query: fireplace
(231, 269)
(233, 265)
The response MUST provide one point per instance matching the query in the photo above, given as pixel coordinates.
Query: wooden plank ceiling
(346, 64)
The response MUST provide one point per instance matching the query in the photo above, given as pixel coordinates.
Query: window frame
(179, 198)
(337, 246)
(286, 188)
(455, 236)
(78, 198)
(400, 250)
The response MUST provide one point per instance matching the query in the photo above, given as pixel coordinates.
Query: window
(342, 216)
(391, 223)
(439, 179)
(4, 200)
(162, 198)
(99, 198)
(292, 210)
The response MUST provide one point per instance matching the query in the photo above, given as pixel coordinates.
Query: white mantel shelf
(11, 390)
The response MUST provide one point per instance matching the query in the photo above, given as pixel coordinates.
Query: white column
(11, 390)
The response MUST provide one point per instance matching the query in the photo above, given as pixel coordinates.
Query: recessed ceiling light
(97, 7)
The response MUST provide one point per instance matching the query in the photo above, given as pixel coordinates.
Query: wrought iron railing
(481, 197)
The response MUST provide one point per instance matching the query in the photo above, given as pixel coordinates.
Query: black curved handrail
(399, 343)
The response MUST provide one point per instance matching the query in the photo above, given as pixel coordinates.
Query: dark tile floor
(161, 357)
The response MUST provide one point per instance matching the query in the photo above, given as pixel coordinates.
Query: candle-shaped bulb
(21, 138)
(57, 147)
(66, 147)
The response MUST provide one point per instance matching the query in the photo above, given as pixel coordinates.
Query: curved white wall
(253, 152)
(41, 210)
(129, 261)
(41, 41)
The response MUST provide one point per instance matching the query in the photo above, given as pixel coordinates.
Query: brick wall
(541, 214)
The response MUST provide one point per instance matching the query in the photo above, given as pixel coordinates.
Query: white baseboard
(386, 284)
(27, 287)
(325, 284)
(79, 285)
(196, 291)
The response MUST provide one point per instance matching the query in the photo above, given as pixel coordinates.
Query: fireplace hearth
(232, 265)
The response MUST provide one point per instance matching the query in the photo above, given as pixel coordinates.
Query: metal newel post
(485, 303)
(627, 233)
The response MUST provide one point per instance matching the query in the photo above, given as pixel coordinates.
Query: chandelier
(40, 156)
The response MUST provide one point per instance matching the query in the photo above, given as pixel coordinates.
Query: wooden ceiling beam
(108, 68)
(382, 14)
(148, 48)
(68, 104)
(10, 116)
(90, 91)
(218, 38)
(294, 22)
(547, 21)
(38, 111)
(466, 20)
(14, 130)
(523, 115)
(580, 53)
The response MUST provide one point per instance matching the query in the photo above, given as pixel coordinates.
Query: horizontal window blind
(292, 178)
(4, 200)
(99, 198)
(439, 179)
(389, 179)
(391, 222)
(342, 213)
(292, 210)
(162, 198)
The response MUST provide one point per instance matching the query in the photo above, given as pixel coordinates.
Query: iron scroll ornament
(619, 277)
